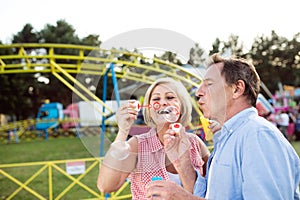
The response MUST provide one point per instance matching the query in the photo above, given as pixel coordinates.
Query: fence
(61, 183)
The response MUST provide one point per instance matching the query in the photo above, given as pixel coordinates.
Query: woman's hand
(176, 144)
(126, 115)
(177, 147)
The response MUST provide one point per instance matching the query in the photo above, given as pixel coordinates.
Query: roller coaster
(88, 60)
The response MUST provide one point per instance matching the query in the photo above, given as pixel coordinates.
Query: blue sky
(201, 21)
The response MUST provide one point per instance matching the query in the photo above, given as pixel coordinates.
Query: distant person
(283, 122)
(297, 125)
(3, 120)
(271, 118)
(291, 127)
(157, 152)
(140, 118)
(251, 158)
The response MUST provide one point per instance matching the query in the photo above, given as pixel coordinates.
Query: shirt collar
(234, 123)
(154, 143)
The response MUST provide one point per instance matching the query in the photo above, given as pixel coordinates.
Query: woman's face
(162, 96)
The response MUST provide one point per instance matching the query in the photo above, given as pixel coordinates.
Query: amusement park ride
(87, 60)
(90, 110)
(114, 64)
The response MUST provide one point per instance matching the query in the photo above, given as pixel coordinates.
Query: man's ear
(239, 89)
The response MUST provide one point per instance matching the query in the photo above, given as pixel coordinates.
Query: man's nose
(199, 93)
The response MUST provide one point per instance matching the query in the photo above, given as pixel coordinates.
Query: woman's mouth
(161, 112)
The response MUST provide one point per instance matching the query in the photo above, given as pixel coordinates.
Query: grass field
(296, 146)
(53, 149)
(42, 150)
(62, 148)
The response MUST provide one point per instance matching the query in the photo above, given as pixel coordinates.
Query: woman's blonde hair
(182, 94)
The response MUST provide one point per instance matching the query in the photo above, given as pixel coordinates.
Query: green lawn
(296, 146)
(41, 150)
(61, 148)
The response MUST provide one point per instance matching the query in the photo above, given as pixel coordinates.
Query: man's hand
(168, 190)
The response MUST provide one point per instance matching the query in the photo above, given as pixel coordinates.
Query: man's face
(213, 93)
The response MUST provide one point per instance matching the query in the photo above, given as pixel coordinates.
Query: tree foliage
(228, 48)
(22, 94)
(276, 60)
(170, 57)
(62, 33)
(26, 35)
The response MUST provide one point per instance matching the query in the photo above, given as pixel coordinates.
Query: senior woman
(162, 151)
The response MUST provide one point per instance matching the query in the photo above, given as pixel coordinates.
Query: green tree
(216, 46)
(22, 94)
(16, 95)
(62, 33)
(276, 60)
(91, 40)
(26, 35)
(171, 57)
(227, 48)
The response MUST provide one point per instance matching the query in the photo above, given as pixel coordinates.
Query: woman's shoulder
(195, 139)
(192, 136)
(146, 135)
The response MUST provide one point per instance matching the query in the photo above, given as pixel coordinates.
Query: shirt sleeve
(200, 186)
(204, 149)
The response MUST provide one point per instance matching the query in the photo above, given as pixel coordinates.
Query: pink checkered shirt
(151, 161)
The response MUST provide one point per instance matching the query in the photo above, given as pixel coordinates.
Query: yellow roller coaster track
(23, 58)
(44, 58)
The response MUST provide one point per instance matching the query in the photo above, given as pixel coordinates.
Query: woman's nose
(164, 102)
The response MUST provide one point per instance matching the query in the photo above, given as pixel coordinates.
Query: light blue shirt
(251, 160)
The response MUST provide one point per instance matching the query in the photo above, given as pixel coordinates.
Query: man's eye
(197, 98)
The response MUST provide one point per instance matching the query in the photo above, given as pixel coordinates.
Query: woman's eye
(171, 97)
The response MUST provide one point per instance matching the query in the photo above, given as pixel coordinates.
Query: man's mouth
(201, 103)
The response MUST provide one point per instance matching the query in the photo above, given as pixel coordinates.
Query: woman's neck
(161, 131)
